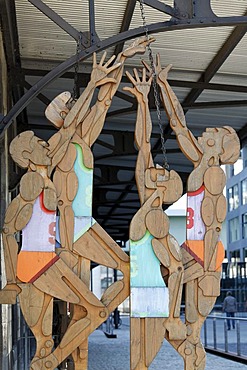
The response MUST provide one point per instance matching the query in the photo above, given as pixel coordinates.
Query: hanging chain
(155, 87)
(76, 91)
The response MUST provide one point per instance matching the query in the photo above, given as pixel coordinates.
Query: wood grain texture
(202, 251)
(88, 243)
(69, 150)
(152, 248)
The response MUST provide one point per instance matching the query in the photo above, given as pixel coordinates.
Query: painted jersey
(38, 243)
(195, 230)
(149, 294)
(195, 227)
(39, 233)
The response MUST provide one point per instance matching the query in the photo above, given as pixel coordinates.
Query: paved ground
(113, 354)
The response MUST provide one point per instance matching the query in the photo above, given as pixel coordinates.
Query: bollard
(214, 333)
(238, 338)
(226, 336)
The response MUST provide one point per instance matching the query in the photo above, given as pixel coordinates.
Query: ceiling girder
(202, 8)
(216, 104)
(108, 183)
(167, 9)
(84, 79)
(104, 44)
(134, 152)
(51, 14)
(229, 45)
(41, 97)
(187, 107)
(11, 44)
(129, 11)
(93, 34)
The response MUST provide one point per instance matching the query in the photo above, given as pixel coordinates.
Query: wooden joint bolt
(48, 364)
(211, 142)
(187, 351)
(48, 344)
(102, 314)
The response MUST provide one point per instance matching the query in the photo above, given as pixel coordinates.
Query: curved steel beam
(104, 44)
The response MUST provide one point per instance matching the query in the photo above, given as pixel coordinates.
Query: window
(235, 256)
(244, 191)
(234, 229)
(233, 198)
(244, 225)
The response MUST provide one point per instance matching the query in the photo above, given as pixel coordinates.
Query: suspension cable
(76, 90)
(155, 86)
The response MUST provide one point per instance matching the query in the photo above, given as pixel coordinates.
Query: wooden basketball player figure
(155, 308)
(202, 251)
(37, 273)
(81, 238)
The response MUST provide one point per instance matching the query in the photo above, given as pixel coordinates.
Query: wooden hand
(100, 71)
(137, 47)
(140, 88)
(160, 73)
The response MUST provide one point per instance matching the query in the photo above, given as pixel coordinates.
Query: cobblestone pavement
(113, 354)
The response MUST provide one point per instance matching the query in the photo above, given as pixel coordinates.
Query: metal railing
(218, 339)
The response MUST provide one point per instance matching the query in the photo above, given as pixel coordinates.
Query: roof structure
(204, 40)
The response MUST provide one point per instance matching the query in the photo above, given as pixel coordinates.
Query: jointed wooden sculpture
(202, 251)
(151, 246)
(198, 264)
(40, 271)
(56, 251)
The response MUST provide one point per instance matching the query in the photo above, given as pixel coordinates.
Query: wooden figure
(84, 237)
(155, 307)
(40, 271)
(202, 251)
(32, 272)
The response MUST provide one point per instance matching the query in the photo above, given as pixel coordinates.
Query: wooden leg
(68, 287)
(81, 327)
(193, 354)
(75, 335)
(137, 346)
(145, 346)
(80, 355)
(99, 247)
(37, 309)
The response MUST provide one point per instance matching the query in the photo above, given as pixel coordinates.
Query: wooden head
(222, 143)
(26, 148)
(58, 109)
(230, 145)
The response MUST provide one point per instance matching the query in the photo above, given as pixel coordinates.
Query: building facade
(237, 210)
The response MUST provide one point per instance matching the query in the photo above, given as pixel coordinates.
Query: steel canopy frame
(172, 24)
